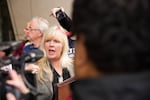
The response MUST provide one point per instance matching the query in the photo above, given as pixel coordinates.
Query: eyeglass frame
(30, 29)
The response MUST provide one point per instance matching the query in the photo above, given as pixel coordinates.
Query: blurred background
(14, 14)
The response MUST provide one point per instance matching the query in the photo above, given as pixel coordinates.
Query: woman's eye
(47, 41)
(56, 41)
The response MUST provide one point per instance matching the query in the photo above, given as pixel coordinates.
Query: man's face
(26, 30)
(31, 31)
(80, 59)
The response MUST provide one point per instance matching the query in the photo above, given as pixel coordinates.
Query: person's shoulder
(28, 43)
(28, 47)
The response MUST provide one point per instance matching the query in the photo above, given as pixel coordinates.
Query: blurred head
(55, 47)
(26, 31)
(55, 44)
(114, 34)
(2, 54)
(35, 28)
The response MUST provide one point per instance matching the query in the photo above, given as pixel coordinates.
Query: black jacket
(114, 87)
(64, 20)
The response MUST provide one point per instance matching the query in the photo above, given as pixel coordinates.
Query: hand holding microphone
(55, 10)
(32, 67)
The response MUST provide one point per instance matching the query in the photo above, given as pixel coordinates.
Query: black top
(65, 75)
(135, 86)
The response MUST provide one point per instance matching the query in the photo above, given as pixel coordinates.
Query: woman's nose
(51, 43)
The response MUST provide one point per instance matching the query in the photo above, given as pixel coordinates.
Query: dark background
(6, 30)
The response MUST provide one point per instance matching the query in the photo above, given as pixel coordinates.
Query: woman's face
(53, 48)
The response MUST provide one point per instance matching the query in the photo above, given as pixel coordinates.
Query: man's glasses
(30, 29)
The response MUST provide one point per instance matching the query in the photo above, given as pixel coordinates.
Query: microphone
(8, 47)
(4, 47)
(32, 56)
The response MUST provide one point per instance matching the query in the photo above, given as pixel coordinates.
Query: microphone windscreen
(33, 56)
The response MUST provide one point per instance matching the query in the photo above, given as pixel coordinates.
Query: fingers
(14, 78)
(62, 9)
(34, 67)
(10, 96)
(34, 72)
(54, 10)
(13, 74)
(17, 81)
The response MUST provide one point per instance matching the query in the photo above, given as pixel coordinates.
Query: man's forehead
(28, 25)
(33, 24)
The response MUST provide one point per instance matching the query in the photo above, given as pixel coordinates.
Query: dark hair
(116, 32)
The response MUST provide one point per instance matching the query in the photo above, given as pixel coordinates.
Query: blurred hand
(2, 54)
(54, 10)
(17, 81)
(32, 67)
(10, 96)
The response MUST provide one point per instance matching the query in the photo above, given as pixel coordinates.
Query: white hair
(43, 24)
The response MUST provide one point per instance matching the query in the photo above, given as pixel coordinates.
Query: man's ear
(80, 53)
(80, 60)
(84, 67)
(40, 34)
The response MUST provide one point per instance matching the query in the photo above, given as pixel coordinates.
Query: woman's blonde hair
(59, 33)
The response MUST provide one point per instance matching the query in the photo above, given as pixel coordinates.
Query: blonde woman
(56, 66)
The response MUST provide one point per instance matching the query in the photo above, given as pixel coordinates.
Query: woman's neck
(57, 66)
